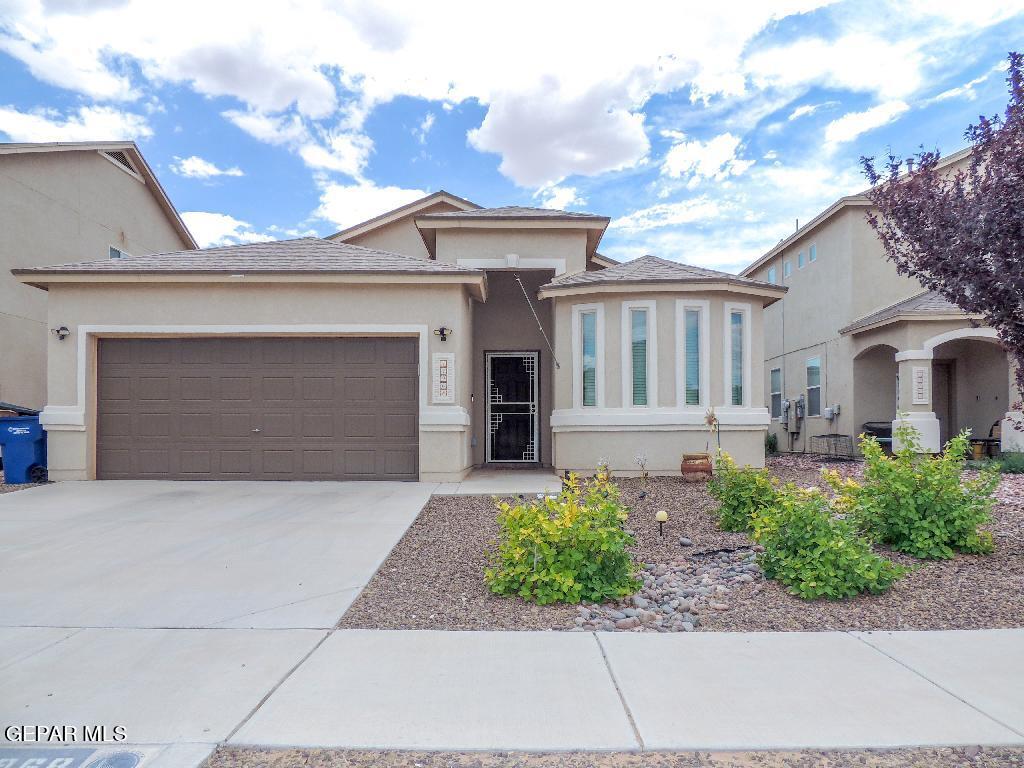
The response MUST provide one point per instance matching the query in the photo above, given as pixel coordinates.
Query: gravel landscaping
(11, 487)
(696, 577)
(945, 757)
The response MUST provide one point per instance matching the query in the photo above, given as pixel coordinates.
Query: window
(117, 253)
(588, 345)
(787, 269)
(772, 277)
(691, 355)
(800, 260)
(814, 386)
(776, 392)
(736, 357)
(638, 353)
(812, 254)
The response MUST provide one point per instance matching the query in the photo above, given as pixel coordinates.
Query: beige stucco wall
(663, 432)
(59, 207)
(444, 448)
(400, 236)
(504, 323)
(980, 390)
(462, 243)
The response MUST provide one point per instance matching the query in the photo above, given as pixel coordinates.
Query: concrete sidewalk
(704, 691)
(528, 691)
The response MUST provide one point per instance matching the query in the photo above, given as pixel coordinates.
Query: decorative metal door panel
(512, 406)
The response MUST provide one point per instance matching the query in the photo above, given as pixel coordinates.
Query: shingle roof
(922, 305)
(307, 254)
(514, 212)
(652, 269)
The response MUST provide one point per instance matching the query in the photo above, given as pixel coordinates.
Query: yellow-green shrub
(741, 491)
(920, 504)
(567, 548)
(814, 553)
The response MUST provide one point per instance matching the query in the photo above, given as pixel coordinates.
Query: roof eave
(769, 292)
(388, 217)
(908, 317)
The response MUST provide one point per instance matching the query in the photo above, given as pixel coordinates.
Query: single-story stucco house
(430, 340)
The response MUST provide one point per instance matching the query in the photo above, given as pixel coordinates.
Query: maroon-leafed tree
(962, 234)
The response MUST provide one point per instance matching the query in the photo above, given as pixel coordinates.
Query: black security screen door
(512, 406)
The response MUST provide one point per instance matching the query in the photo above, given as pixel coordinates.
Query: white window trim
(704, 338)
(820, 388)
(652, 353)
(771, 392)
(577, 354)
(773, 275)
(728, 309)
(787, 269)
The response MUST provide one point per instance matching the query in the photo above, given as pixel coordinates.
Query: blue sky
(703, 131)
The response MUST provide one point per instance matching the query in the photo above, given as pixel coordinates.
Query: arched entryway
(875, 386)
(970, 387)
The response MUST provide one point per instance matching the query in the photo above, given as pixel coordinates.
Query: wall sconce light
(443, 332)
(61, 333)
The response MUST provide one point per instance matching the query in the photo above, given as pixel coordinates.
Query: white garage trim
(72, 417)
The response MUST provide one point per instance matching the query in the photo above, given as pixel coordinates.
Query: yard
(696, 577)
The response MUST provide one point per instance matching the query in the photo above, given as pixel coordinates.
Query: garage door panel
(324, 408)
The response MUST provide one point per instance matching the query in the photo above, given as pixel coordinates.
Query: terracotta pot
(695, 467)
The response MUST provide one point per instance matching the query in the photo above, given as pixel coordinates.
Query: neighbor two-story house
(432, 339)
(856, 347)
(61, 203)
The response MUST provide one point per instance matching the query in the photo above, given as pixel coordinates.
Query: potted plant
(697, 467)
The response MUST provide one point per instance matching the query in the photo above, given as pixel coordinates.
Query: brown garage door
(258, 409)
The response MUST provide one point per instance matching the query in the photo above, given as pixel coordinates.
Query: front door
(512, 406)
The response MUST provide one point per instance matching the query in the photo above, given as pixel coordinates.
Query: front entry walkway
(503, 482)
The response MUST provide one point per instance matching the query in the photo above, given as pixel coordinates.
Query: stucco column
(915, 400)
(1012, 427)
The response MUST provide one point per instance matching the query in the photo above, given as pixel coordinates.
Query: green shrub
(771, 443)
(815, 554)
(1010, 462)
(567, 548)
(742, 491)
(919, 504)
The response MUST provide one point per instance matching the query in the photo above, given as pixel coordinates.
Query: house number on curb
(443, 377)
(921, 394)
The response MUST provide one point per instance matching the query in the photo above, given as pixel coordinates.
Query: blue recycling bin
(24, 449)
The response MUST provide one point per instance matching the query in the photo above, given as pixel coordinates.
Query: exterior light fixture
(662, 517)
(443, 332)
(61, 333)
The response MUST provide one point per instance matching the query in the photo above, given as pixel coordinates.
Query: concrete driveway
(164, 554)
(174, 609)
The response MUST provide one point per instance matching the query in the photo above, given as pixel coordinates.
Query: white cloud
(346, 204)
(195, 167)
(86, 124)
(808, 109)
(559, 197)
(544, 137)
(851, 125)
(695, 210)
(342, 152)
(210, 229)
(698, 160)
(424, 127)
(281, 129)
